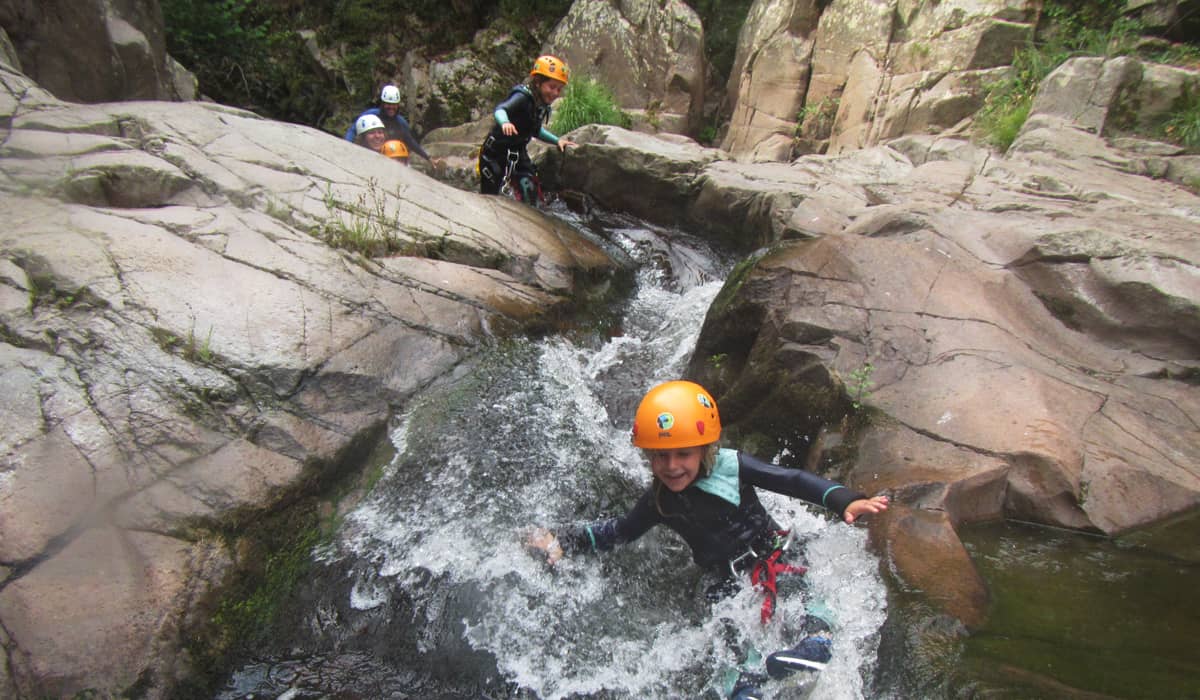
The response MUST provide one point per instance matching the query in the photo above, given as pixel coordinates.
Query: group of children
(704, 493)
(504, 165)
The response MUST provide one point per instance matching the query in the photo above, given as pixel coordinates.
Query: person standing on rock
(708, 496)
(504, 164)
(397, 126)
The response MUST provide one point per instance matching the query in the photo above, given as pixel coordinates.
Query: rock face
(95, 50)
(770, 78)
(851, 73)
(182, 350)
(986, 336)
(650, 53)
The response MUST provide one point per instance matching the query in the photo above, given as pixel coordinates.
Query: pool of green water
(1075, 616)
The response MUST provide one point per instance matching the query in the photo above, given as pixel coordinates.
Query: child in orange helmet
(503, 160)
(708, 496)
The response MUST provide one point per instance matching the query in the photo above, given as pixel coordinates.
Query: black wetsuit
(528, 115)
(717, 530)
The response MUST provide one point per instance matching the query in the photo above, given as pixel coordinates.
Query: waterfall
(428, 589)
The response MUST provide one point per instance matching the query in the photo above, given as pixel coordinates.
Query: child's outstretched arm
(599, 536)
(548, 136)
(864, 506)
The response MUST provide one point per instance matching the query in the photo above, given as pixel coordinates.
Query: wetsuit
(397, 128)
(528, 115)
(719, 516)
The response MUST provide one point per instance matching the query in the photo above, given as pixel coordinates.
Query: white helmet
(367, 122)
(390, 95)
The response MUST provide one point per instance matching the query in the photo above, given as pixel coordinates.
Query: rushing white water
(536, 433)
(528, 440)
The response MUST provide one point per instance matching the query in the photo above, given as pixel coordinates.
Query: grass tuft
(1069, 30)
(1183, 126)
(586, 101)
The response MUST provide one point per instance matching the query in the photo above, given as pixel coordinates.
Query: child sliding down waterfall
(707, 495)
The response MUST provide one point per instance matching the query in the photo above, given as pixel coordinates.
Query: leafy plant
(860, 385)
(815, 120)
(525, 11)
(1183, 126)
(722, 20)
(199, 350)
(586, 101)
(1008, 101)
(246, 54)
(1067, 30)
(1185, 55)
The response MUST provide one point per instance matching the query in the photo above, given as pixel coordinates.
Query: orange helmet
(676, 414)
(394, 149)
(551, 67)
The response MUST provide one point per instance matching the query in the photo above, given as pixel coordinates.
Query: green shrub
(534, 10)
(214, 38)
(586, 101)
(722, 20)
(1068, 29)
(244, 55)
(1183, 126)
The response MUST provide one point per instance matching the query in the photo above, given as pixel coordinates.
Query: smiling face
(676, 468)
(550, 89)
(389, 109)
(375, 138)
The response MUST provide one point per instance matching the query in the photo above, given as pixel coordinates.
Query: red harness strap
(764, 574)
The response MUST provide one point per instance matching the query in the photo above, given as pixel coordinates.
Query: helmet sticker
(704, 401)
(665, 421)
(700, 427)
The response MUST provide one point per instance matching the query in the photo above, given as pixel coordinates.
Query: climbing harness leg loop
(767, 569)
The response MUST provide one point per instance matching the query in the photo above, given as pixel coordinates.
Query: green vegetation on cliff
(722, 20)
(1071, 28)
(263, 56)
(1183, 127)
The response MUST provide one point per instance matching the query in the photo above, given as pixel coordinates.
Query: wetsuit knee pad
(529, 188)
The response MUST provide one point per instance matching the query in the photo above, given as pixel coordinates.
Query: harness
(512, 158)
(506, 187)
(765, 569)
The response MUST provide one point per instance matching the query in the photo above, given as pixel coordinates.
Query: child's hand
(546, 543)
(563, 143)
(865, 506)
(508, 129)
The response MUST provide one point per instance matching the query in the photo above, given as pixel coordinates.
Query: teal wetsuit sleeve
(500, 116)
(545, 134)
